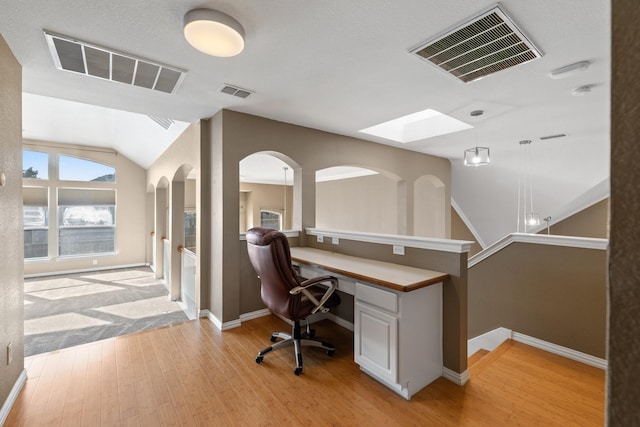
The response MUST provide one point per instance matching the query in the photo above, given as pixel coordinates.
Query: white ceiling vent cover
(484, 45)
(104, 63)
(235, 91)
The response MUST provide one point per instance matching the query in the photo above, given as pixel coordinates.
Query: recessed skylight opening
(413, 127)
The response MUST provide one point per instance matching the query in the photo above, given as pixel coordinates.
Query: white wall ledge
(540, 239)
(445, 245)
(288, 233)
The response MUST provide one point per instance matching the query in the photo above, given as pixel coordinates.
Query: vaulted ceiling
(341, 66)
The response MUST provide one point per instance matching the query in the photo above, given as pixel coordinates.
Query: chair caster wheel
(273, 339)
(331, 352)
(297, 371)
(259, 359)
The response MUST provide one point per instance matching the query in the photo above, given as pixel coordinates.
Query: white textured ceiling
(342, 66)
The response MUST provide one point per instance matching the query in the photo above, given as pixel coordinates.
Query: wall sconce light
(476, 156)
(214, 33)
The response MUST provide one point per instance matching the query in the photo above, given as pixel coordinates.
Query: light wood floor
(191, 374)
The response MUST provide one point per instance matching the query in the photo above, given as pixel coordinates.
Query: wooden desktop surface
(394, 276)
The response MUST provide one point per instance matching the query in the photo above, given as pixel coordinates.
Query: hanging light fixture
(476, 156)
(527, 217)
(213, 32)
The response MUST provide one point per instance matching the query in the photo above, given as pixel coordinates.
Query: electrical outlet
(398, 250)
(320, 239)
(9, 353)
(95, 262)
(335, 240)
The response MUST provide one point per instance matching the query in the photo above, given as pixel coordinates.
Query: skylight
(413, 127)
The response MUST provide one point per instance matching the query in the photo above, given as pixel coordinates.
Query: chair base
(298, 339)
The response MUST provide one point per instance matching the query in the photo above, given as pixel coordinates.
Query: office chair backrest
(269, 254)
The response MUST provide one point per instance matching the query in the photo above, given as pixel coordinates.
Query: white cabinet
(376, 341)
(398, 336)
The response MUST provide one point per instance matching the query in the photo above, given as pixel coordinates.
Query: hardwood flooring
(192, 374)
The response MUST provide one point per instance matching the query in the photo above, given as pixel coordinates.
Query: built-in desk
(397, 316)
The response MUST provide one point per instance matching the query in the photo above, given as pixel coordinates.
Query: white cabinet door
(376, 341)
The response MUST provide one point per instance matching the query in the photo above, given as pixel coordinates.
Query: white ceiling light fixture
(213, 32)
(477, 156)
(527, 217)
(416, 126)
(569, 70)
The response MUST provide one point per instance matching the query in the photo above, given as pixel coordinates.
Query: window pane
(190, 230)
(76, 169)
(85, 230)
(35, 165)
(270, 219)
(36, 232)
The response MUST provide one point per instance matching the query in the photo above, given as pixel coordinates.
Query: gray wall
(11, 236)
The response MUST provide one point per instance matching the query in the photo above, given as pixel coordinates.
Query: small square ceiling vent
(104, 63)
(483, 45)
(235, 91)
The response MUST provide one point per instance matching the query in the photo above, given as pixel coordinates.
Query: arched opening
(267, 191)
(429, 218)
(371, 198)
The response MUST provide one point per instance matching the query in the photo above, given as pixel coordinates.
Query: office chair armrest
(315, 281)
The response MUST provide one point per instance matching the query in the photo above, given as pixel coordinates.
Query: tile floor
(63, 311)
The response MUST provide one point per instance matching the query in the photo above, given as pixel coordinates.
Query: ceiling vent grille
(486, 44)
(235, 91)
(95, 61)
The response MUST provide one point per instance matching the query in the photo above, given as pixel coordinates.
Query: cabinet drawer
(378, 297)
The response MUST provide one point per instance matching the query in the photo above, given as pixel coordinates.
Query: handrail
(186, 251)
(540, 239)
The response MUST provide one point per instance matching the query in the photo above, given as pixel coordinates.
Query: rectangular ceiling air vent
(234, 90)
(80, 57)
(484, 45)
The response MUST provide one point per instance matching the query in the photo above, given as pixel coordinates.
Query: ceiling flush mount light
(527, 217)
(569, 70)
(214, 33)
(476, 156)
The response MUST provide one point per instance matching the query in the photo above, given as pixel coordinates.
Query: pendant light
(527, 216)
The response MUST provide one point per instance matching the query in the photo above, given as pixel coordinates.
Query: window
(35, 165)
(271, 219)
(190, 230)
(86, 221)
(36, 222)
(76, 169)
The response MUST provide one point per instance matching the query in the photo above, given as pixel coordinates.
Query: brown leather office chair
(286, 294)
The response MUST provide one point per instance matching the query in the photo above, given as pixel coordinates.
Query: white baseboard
(488, 341)
(492, 339)
(13, 395)
(255, 314)
(340, 321)
(217, 323)
(455, 377)
(560, 350)
(83, 270)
